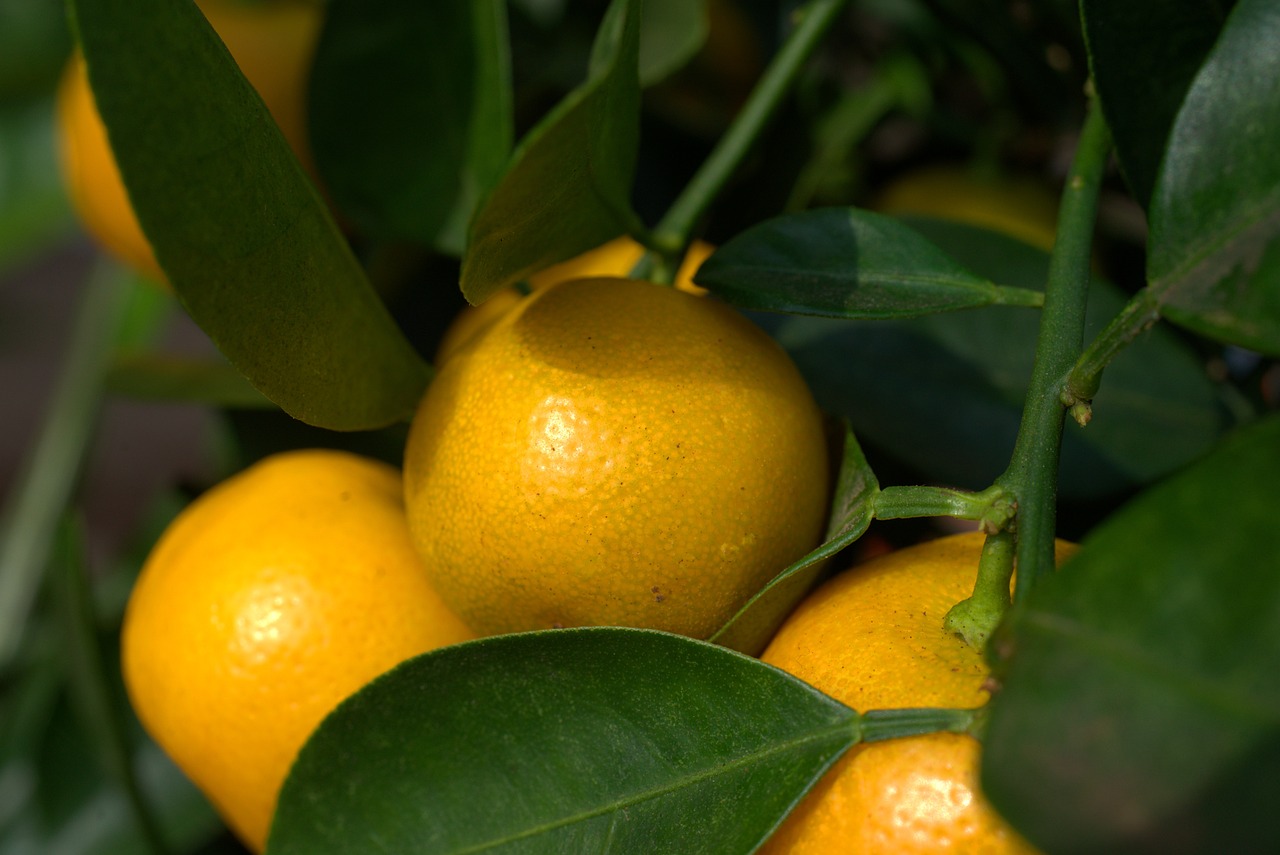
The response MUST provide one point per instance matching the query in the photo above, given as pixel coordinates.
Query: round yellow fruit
(1019, 207)
(615, 258)
(270, 599)
(873, 638)
(614, 452)
(272, 42)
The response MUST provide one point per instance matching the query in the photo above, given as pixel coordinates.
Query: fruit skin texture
(873, 639)
(270, 599)
(1021, 208)
(271, 42)
(615, 258)
(614, 452)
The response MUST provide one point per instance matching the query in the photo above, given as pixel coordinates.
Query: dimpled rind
(269, 600)
(614, 452)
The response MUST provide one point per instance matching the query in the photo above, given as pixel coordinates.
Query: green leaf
(1141, 702)
(33, 205)
(33, 47)
(842, 263)
(160, 377)
(671, 32)
(945, 392)
(237, 226)
(1214, 259)
(410, 112)
(852, 509)
(1143, 55)
(568, 185)
(580, 740)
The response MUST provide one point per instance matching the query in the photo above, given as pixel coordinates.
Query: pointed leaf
(585, 740)
(568, 186)
(1214, 258)
(427, 86)
(1141, 705)
(842, 263)
(242, 235)
(671, 32)
(852, 510)
(1143, 55)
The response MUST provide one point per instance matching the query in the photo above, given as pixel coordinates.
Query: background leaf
(841, 263)
(1141, 704)
(33, 205)
(1214, 259)
(580, 740)
(944, 393)
(247, 244)
(568, 186)
(671, 32)
(1143, 55)
(160, 377)
(852, 510)
(427, 85)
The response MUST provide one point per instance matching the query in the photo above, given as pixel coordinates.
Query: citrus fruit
(614, 452)
(1015, 206)
(272, 42)
(271, 598)
(873, 638)
(615, 258)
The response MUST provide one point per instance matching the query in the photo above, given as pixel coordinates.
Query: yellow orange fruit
(873, 639)
(615, 258)
(1019, 207)
(272, 42)
(269, 600)
(614, 452)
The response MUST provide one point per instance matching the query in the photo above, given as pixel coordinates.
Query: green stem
(977, 617)
(814, 19)
(992, 506)
(1135, 319)
(44, 488)
(1032, 476)
(879, 725)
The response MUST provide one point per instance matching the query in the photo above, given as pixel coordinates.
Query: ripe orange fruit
(873, 639)
(269, 600)
(273, 44)
(614, 452)
(1019, 207)
(615, 258)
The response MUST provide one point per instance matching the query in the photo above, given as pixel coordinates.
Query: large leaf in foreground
(1141, 705)
(1214, 260)
(568, 185)
(589, 740)
(427, 85)
(844, 263)
(236, 225)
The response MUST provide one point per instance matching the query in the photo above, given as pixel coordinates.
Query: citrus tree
(934, 266)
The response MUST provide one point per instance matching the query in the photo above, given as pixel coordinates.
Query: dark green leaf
(945, 392)
(410, 112)
(157, 377)
(1143, 55)
(568, 186)
(671, 32)
(33, 47)
(852, 509)
(1141, 704)
(841, 263)
(33, 205)
(1214, 260)
(243, 236)
(582, 740)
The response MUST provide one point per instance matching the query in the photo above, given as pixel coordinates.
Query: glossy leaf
(568, 186)
(1214, 258)
(157, 377)
(427, 86)
(671, 32)
(1141, 700)
(842, 263)
(586, 740)
(247, 244)
(852, 509)
(944, 393)
(1143, 55)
